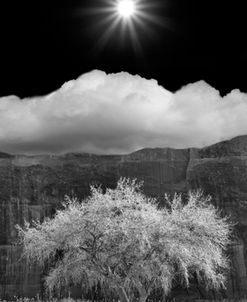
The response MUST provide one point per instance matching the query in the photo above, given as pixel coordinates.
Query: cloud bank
(119, 113)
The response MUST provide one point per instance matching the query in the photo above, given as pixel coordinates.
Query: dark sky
(45, 43)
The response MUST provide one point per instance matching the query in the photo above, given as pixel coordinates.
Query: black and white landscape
(92, 91)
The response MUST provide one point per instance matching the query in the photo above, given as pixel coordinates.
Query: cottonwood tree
(121, 240)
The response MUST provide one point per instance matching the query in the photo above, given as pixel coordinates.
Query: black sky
(45, 43)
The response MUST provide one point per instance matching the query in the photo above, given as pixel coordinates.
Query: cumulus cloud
(119, 113)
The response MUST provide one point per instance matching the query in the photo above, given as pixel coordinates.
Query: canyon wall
(33, 187)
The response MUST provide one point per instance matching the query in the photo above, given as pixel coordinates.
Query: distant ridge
(236, 142)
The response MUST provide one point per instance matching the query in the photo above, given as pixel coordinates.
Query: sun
(124, 18)
(126, 8)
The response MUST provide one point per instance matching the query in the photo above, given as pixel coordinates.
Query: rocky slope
(34, 186)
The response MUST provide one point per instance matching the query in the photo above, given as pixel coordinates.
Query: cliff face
(34, 186)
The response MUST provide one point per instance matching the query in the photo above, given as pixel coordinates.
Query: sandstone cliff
(34, 186)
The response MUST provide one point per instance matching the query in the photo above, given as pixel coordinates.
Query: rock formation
(33, 187)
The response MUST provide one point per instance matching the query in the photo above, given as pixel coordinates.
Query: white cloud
(119, 113)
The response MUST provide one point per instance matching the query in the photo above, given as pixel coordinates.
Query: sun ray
(107, 34)
(149, 5)
(134, 37)
(143, 25)
(96, 11)
(154, 19)
(128, 15)
(105, 22)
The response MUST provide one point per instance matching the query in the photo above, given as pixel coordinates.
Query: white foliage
(121, 239)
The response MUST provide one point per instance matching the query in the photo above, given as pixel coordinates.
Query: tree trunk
(143, 298)
(143, 294)
(122, 295)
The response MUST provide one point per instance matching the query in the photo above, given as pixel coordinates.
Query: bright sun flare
(126, 8)
(126, 17)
